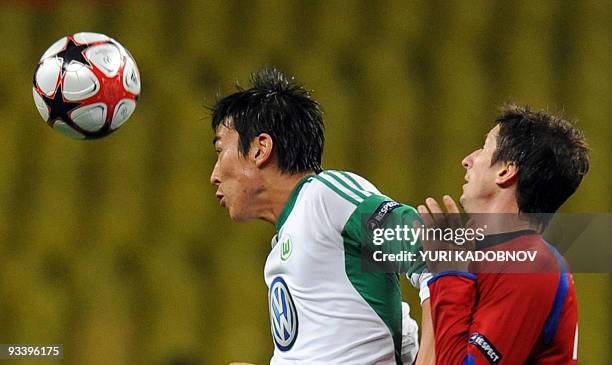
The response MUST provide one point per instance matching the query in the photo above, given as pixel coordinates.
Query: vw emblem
(283, 315)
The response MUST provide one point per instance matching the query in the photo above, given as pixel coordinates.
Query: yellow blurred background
(117, 248)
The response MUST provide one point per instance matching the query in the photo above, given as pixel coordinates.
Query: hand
(436, 250)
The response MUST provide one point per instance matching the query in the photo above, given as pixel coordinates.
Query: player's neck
(500, 201)
(501, 215)
(279, 187)
(502, 223)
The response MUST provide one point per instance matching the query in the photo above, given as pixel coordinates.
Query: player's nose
(214, 176)
(467, 160)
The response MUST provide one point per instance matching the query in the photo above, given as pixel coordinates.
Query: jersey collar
(291, 202)
(496, 239)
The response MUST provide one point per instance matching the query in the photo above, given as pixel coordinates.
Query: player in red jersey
(517, 313)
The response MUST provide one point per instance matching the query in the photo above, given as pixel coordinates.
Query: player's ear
(506, 174)
(261, 149)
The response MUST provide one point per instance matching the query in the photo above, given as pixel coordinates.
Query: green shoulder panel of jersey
(382, 224)
(379, 288)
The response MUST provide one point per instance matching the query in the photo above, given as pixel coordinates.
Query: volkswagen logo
(283, 315)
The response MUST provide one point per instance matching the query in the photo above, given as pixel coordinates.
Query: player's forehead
(224, 134)
(491, 136)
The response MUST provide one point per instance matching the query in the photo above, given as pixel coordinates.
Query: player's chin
(233, 216)
(236, 215)
(463, 202)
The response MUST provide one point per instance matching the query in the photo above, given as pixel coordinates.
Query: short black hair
(281, 108)
(550, 153)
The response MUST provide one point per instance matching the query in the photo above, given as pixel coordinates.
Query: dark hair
(280, 108)
(550, 153)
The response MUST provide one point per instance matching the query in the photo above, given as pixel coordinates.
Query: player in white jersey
(324, 309)
(314, 272)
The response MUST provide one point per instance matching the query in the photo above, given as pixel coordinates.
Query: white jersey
(323, 308)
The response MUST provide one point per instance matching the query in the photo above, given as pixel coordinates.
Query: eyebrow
(214, 142)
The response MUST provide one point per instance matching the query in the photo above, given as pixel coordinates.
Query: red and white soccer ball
(86, 85)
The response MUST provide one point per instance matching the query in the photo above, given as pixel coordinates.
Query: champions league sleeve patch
(486, 347)
(380, 214)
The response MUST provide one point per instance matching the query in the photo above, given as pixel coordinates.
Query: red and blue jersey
(510, 314)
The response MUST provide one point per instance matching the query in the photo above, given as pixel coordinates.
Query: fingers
(453, 217)
(433, 215)
(433, 205)
(437, 215)
(450, 204)
(424, 212)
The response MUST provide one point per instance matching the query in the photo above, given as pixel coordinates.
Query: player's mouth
(221, 198)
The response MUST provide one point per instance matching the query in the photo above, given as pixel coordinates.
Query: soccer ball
(86, 85)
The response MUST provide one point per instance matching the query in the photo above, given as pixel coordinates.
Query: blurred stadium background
(117, 248)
